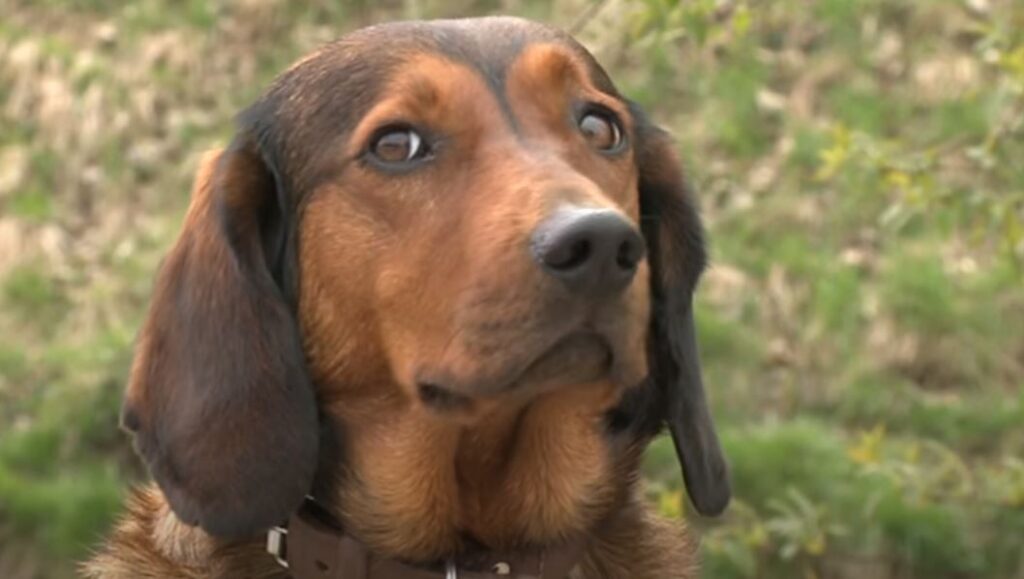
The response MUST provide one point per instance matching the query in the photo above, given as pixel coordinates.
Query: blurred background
(860, 164)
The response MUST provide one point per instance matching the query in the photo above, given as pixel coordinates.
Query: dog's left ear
(675, 238)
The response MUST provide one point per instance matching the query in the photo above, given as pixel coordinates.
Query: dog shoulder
(150, 542)
(636, 543)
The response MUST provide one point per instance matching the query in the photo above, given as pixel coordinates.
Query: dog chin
(578, 358)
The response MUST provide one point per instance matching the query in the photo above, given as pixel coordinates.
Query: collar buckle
(277, 545)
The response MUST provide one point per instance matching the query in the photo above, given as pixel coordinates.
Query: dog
(425, 312)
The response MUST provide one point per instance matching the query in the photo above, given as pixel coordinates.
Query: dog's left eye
(398, 145)
(601, 130)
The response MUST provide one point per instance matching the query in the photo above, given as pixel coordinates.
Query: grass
(862, 324)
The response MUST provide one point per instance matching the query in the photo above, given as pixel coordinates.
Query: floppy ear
(219, 399)
(674, 236)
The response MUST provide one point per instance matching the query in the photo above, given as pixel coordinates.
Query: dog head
(456, 214)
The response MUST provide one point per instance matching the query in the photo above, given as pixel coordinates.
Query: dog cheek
(634, 365)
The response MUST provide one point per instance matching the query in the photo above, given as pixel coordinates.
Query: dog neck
(420, 487)
(315, 546)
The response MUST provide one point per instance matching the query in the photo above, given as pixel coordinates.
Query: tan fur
(635, 544)
(149, 543)
(536, 474)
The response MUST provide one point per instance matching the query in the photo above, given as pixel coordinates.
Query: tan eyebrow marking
(548, 75)
(427, 88)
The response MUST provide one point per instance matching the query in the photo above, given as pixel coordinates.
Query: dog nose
(594, 251)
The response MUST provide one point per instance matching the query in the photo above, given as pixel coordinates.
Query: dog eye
(398, 146)
(601, 130)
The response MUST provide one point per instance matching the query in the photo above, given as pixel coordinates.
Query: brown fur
(397, 280)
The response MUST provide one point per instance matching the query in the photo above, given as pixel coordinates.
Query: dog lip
(580, 354)
(585, 337)
(441, 398)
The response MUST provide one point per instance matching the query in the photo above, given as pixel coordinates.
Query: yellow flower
(671, 504)
(868, 449)
(833, 158)
(816, 545)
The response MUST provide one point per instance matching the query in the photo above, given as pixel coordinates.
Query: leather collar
(314, 546)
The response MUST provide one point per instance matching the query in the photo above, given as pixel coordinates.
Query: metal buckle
(450, 571)
(276, 545)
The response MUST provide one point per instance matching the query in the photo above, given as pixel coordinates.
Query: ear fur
(219, 399)
(674, 235)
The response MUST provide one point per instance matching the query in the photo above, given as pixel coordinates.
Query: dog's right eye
(398, 145)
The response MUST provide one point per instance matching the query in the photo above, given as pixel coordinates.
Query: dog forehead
(316, 103)
(353, 70)
(489, 44)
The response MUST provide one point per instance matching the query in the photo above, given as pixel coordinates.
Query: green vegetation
(858, 163)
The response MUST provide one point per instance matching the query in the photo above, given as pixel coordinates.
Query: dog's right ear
(219, 399)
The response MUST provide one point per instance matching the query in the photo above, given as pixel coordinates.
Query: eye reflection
(398, 145)
(601, 131)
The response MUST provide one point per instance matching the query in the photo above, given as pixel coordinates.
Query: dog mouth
(576, 358)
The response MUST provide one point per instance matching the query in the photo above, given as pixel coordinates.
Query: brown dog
(428, 308)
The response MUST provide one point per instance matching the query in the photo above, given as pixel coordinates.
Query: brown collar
(314, 547)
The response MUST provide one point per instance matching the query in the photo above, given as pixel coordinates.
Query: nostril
(566, 256)
(631, 251)
(627, 256)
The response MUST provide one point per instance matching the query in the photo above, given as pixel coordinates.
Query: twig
(586, 16)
